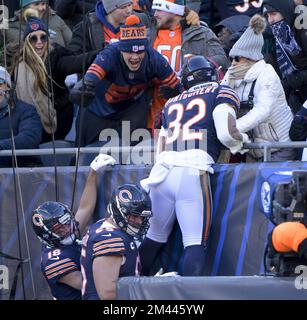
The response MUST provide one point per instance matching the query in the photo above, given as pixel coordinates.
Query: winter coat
(26, 92)
(199, 40)
(298, 129)
(286, 8)
(62, 110)
(71, 11)
(27, 130)
(295, 84)
(270, 118)
(60, 32)
(56, 67)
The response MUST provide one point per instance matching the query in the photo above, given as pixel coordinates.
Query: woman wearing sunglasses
(39, 81)
(60, 33)
(264, 112)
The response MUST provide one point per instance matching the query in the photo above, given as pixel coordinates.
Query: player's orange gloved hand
(191, 17)
(288, 236)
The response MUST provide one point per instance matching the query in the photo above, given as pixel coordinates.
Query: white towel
(196, 158)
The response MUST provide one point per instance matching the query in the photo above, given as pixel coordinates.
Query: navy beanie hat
(133, 35)
(34, 24)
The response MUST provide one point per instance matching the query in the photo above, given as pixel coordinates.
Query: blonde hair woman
(60, 33)
(30, 73)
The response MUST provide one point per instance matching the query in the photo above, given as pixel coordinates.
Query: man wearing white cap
(174, 39)
(102, 26)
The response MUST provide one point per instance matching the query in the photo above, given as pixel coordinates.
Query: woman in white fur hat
(266, 114)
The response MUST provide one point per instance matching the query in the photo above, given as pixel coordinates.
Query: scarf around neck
(238, 72)
(286, 46)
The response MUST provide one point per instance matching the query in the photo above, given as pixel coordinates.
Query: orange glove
(191, 17)
(288, 236)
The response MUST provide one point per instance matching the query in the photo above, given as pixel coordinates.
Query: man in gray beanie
(112, 5)
(102, 26)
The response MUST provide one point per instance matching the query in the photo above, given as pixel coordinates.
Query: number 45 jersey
(187, 119)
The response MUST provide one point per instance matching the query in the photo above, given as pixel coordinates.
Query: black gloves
(167, 92)
(86, 89)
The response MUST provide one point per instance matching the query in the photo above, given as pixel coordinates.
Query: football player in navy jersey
(195, 124)
(59, 231)
(109, 250)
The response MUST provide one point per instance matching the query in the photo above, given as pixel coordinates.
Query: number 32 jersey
(187, 120)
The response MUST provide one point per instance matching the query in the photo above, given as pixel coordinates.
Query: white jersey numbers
(176, 125)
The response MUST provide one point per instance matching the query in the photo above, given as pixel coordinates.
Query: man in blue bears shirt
(59, 231)
(115, 85)
(108, 249)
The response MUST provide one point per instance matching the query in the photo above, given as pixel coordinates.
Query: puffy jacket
(27, 130)
(271, 117)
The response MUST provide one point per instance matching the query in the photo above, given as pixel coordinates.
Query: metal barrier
(267, 148)
(40, 152)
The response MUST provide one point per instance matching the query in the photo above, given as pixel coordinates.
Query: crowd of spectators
(50, 45)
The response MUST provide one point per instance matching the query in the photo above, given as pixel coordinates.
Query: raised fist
(101, 161)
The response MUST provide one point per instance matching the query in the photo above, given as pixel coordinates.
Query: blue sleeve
(29, 131)
(102, 64)
(162, 70)
(107, 243)
(58, 263)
